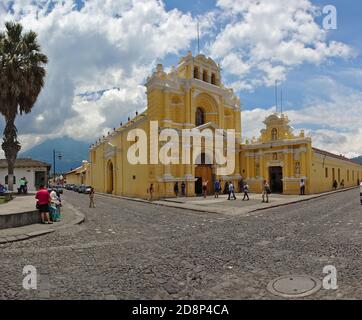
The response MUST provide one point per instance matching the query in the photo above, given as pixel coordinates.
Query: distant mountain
(358, 159)
(73, 153)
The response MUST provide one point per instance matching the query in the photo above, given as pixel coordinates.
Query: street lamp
(59, 155)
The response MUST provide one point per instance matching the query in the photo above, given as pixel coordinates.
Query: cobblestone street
(132, 250)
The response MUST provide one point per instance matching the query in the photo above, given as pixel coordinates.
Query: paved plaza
(136, 250)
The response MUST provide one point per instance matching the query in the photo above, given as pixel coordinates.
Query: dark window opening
(200, 117)
(205, 76)
(196, 73)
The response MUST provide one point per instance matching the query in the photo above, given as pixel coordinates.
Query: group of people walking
(48, 205)
(229, 189)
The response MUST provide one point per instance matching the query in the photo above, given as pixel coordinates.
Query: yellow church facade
(284, 160)
(192, 96)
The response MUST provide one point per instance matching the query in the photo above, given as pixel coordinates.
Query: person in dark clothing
(217, 188)
(246, 192)
(175, 189)
(335, 184)
(342, 183)
(226, 188)
(183, 189)
(302, 187)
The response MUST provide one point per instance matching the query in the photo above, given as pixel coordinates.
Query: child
(91, 199)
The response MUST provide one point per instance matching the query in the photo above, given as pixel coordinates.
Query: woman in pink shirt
(43, 204)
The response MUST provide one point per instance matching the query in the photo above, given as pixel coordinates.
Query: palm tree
(21, 80)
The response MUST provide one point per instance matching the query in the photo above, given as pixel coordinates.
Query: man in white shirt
(302, 187)
(231, 191)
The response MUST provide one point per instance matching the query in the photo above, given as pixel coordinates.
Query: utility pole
(59, 154)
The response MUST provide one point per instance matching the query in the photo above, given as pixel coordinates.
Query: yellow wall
(80, 175)
(173, 99)
(173, 104)
(323, 167)
(298, 159)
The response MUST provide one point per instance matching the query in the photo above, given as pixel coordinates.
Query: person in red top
(43, 199)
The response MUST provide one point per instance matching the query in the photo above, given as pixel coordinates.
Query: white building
(35, 172)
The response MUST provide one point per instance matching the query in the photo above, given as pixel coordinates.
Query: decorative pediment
(209, 125)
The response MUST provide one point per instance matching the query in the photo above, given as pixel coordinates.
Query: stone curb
(172, 204)
(306, 199)
(78, 220)
(157, 202)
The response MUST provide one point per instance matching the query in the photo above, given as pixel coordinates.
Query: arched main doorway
(203, 172)
(110, 182)
(276, 179)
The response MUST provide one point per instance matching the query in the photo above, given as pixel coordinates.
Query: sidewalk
(69, 216)
(18, 204)
(221, 205)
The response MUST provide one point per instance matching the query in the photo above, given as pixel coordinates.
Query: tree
(22, 76)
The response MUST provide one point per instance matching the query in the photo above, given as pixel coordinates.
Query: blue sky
(349, 25)
(101, 51)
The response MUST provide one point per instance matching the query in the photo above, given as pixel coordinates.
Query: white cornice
(278, 143)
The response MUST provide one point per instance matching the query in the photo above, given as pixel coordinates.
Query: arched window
(200, 117)
(213, 78)
(274, 134)
(205, 76)
(196, 73)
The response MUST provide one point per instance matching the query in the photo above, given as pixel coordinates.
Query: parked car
(81, 188)
(85, 189)
(75, 188)
(57, 189)
(71, 187)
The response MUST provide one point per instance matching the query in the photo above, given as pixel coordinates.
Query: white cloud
(332, 121)
(99, 57)
(263, 40)
(105, 50)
